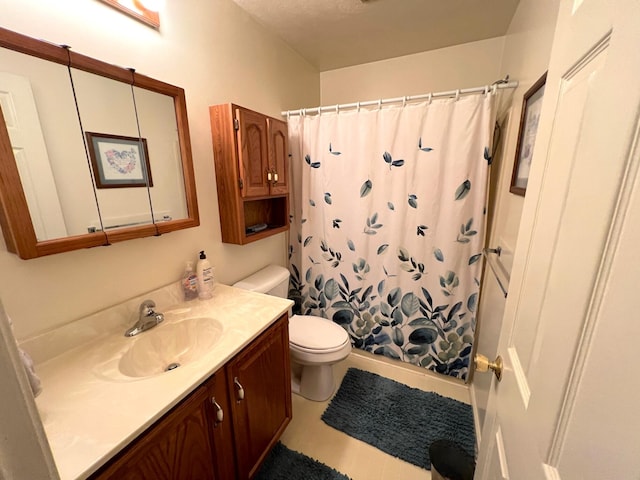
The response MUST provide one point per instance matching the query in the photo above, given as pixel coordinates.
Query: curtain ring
(319, 110)
(486, 89)
(494, 88)
(358, 107)
(430, 98)
(303, 112)
(337, 108)
(379, 104)
(457, 95)
(404, 101)
(288, 114)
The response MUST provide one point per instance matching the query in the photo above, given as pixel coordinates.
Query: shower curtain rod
(500, 84)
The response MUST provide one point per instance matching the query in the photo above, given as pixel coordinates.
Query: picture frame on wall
(119, 161)
(529, 120)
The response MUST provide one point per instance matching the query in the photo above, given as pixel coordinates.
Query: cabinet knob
(275, 177)
(268, 176)
(240, 389)
(219, 411)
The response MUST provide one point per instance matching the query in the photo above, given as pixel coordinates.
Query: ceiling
(332, 34)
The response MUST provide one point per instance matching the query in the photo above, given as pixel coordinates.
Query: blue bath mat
(285, 464)
(397, 419)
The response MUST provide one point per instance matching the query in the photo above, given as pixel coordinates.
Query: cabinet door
(259, 381)
(279, 156)
(253, 160)
(220, 426)
(178, 447)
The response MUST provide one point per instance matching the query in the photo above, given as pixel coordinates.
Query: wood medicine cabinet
(50, 200)
(251, 157)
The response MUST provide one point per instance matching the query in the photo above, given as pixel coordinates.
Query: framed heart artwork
(119, 161)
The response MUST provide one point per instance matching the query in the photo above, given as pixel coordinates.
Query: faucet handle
(147, 306)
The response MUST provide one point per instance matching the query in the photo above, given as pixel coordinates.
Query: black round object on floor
(450, 461)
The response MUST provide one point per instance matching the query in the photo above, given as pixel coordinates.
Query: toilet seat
(311, 334)
(319, 351)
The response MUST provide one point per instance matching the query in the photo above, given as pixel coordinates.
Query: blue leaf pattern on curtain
(389, 235)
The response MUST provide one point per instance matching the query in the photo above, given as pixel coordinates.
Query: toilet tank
(272, 280)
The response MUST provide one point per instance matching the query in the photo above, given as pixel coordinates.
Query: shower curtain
(388, 217)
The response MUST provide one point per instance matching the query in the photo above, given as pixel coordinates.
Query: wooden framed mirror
(49, 202)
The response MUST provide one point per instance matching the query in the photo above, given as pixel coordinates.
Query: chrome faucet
(147, 319)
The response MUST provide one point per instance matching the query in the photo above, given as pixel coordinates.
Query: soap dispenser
(205, 277)
(189, 282)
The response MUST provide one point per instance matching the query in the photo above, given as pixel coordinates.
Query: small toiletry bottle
(205, 277)
(189, 282)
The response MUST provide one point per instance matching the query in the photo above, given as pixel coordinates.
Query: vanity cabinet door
(177, 447)
(259, 383)
(220, 426)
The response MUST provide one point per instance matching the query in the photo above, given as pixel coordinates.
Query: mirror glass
(39, 111)
(158, 126)
(118, 159)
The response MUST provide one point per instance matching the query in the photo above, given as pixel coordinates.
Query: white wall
(526, 56)
(218, 54)
(461, 66)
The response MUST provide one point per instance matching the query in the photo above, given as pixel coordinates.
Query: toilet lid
(316, 333)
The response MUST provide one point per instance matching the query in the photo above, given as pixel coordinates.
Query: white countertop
(90, 410)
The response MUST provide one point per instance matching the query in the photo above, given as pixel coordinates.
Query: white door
(30, 151)
(24, 448)
(567, 406)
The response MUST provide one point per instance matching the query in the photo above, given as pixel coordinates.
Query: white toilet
(315, 343)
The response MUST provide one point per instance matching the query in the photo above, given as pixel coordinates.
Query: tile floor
(308, 434)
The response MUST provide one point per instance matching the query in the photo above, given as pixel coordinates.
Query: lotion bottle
(205, 277)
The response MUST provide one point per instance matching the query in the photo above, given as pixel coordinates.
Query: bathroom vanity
(196, 440)
(111, 411)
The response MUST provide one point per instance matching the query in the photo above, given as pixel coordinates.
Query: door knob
(484, 365)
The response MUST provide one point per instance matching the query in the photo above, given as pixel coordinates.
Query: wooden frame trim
(31, 46)
(521, 130)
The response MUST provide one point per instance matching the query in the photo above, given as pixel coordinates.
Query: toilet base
(313, 382)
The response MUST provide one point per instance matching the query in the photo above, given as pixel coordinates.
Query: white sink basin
(170, 345)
